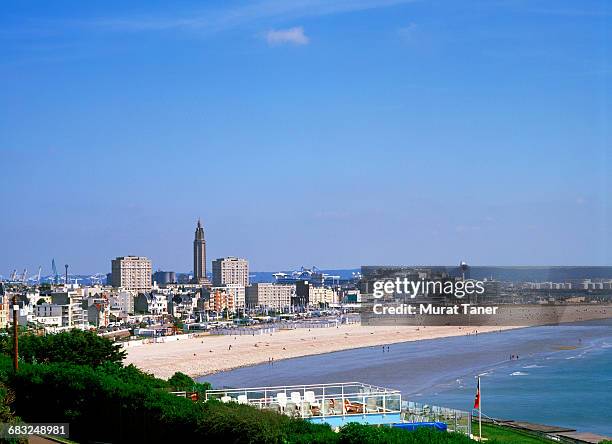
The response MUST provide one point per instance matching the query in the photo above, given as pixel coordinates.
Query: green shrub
(75, 346)
(363, 434)
(122, 404)
(181, 382)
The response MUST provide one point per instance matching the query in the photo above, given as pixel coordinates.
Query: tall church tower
(199, 255)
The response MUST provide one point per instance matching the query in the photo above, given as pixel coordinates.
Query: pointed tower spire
(199, 254)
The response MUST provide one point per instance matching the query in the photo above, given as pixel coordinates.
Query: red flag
(477, 399)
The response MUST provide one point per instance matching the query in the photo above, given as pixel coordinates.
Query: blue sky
(334, 133)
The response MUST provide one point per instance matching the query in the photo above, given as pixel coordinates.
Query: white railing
(316, 400)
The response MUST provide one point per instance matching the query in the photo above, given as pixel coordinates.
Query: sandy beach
(206, 354)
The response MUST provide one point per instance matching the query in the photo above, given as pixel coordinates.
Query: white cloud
(293, 36)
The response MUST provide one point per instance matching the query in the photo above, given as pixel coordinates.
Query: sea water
(562, 376)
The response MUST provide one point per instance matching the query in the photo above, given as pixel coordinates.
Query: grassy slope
(503, 435)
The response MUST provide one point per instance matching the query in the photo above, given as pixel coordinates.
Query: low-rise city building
(122, 304)
(268, 295)
(73, 314)
(151, 303)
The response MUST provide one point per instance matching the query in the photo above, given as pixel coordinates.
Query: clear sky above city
(328, 133)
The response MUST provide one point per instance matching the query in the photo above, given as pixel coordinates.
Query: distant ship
(312, 275)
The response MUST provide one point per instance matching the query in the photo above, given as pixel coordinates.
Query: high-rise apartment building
(132, 273)
(199, 255)
(231, 270)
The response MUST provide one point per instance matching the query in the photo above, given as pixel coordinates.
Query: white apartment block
(132, 273)
(50, 315)
(230, 270)
(321, 295)
(270, 295)
(73, 314)
(122, 304)
(151, 303)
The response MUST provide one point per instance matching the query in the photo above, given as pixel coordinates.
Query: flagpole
(479, 410)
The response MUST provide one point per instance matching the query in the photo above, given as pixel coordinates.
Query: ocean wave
(533, 366)
(519, 374)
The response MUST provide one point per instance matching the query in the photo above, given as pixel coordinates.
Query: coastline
(554, 366)
(209, 354)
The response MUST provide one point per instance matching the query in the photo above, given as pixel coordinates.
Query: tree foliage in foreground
(121, 404)
(112, 403)
(75, 346)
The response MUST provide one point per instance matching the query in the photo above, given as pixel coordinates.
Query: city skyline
(334, 133)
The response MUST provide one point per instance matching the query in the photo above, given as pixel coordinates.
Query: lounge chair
(310, 397)
(273, 407)
(281, 398)
(306, 412)
(350, 407)
(296, 397)
(329, 407)
(371, 405)
(291, 409)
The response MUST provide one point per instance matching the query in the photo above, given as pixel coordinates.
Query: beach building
(236, 292)
(216, 300)
(321, 296)
(268, 295)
